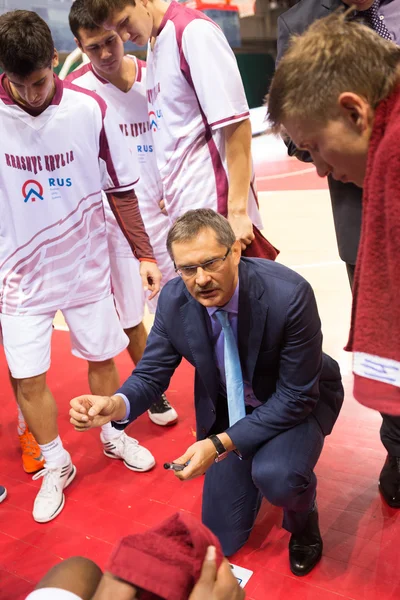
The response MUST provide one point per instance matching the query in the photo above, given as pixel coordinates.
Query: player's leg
(97, 336)
(137, 341)
(32, 459)
(75, 578)
(27, 347)
(130, 303)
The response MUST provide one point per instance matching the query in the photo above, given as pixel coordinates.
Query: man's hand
(151, 277)
(201, 456)
(216, 585)
(161, 204)
(242, 227)
(94, 411)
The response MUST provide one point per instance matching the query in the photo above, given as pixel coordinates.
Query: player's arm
(213, 73)
(238, 157)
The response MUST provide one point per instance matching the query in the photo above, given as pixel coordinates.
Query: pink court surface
(361, 559)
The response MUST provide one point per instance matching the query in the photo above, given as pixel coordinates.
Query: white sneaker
(135, 457)
(162, 413)
(50, 500)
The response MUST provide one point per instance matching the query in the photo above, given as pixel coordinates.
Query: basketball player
(60, 148)
(198, 111)
(121, 81)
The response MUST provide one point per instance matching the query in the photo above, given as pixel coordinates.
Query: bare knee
(78, 575)
(30, 388)
(102, 365)
(137, 330)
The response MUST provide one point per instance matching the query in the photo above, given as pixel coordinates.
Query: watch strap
(219, 447)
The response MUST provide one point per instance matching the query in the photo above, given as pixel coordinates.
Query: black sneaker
(162, 413)
(3, 493)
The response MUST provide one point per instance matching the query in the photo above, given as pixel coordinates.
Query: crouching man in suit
(265, 394)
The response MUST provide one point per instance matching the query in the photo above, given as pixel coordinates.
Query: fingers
(162, 207)
(187, 472)
(84, 411)
(151, 278)
(79, 411)
(227, 586)
(156, 279)
(208, 573)
(145, 283)
(247, 238)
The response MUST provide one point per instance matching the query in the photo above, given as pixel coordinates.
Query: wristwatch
(220, 449)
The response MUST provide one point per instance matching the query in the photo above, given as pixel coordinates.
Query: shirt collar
(230, 307)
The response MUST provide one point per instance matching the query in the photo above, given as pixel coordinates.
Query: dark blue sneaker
(3, 493)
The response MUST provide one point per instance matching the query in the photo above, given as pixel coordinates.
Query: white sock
(21, 422)
(110, 433)
(55, 454)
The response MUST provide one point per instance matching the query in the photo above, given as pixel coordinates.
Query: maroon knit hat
(166, 561)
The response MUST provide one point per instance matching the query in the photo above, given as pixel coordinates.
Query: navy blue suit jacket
(280, 346)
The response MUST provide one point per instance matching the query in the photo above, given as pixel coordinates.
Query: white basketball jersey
(134, 124)
(53, 168)
(194, 90)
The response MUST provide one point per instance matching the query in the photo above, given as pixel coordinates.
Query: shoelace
(131, 441)
(50, 480)
(162, 403)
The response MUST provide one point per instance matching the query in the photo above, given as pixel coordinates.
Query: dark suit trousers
(282, 471)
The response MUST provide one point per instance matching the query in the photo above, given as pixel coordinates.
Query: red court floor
(106, 500)
(361, 560)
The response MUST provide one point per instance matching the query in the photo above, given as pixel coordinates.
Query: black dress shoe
(389, 481)
(305, 548)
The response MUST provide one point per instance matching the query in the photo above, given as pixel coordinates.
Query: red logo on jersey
(31, 190)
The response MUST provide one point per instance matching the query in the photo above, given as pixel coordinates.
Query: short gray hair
(189, 225)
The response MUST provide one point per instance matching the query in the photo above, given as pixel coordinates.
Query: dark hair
(189, 225)
(80, 18)
(100, 10)
(26, 44)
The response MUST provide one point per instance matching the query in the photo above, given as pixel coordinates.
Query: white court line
(283, 175)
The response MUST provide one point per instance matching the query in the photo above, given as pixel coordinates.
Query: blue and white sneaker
(126, 448)
(50, 500)
(3, 493)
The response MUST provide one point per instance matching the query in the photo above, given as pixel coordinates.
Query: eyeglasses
(210, 266)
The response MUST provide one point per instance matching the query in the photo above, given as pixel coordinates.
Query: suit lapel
(252, 316)
(194, 317)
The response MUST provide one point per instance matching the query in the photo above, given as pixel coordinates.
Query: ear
(77, 42)
(236, 251)
(55, 59)
(356, 110)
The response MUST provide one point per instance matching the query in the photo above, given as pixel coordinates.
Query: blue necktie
(233, 371)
